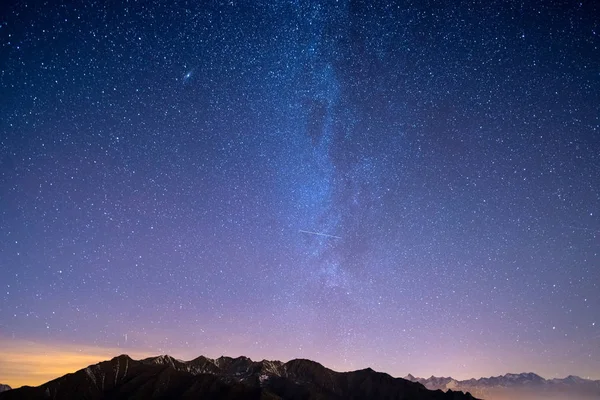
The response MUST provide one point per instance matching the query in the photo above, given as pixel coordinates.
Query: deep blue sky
(162, 162)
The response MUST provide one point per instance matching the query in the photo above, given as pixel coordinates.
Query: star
(203, 176)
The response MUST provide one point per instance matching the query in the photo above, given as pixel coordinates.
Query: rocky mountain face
(225, 378)
(526, 385)
(4, 388)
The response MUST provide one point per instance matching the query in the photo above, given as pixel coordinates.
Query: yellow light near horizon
(31, 363)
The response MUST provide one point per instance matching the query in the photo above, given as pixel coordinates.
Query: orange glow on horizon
(31, 363)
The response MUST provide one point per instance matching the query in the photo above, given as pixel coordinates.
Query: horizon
(399, 185)
(41, 366)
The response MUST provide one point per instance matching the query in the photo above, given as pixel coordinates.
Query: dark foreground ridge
(228, 378)
(4, 388)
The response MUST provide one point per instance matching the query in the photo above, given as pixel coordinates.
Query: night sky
(409, 186)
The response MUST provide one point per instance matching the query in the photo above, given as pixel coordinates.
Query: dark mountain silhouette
(225, 378)
(4, 388)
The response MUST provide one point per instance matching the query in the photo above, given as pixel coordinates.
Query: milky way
(404, 186)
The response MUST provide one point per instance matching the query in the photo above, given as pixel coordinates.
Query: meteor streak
(319, 234)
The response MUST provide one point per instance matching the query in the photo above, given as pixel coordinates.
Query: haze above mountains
(242, 378)
(524, 386)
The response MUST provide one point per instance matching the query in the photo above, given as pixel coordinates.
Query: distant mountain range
(226, 378)
(526, 384)
(4, 388)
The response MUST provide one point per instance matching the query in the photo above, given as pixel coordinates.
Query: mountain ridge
(226, 378)
(511, 382)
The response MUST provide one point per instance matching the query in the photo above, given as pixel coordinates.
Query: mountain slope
(225, 378)
(4, 388)
(497, 386)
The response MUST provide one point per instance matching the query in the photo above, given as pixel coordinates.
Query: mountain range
(4, 388)
(165, 377)
(526, 385)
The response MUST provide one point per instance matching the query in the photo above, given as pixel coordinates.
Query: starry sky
(411, 186)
